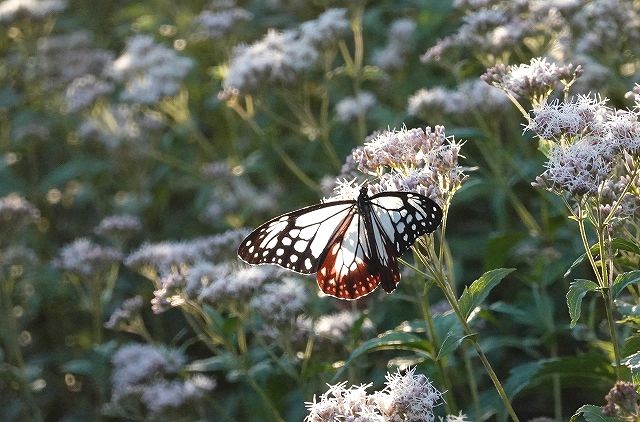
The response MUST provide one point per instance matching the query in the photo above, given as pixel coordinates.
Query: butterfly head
(364, 191)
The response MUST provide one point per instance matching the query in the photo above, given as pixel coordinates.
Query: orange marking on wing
(343, 282)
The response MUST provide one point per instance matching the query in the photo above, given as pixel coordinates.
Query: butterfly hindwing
(403, 217)
(347, 271)
(296, 240)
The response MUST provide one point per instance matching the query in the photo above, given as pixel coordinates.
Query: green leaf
(592, 413)
(520, 377)
(449, 332)
(624, 280)
(576, 293)
(474, 294)
(633, 363)
(618, 244)
(631, 345)
(391, 340)
(72, 170)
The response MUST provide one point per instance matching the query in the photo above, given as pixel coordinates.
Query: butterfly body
(352, 246)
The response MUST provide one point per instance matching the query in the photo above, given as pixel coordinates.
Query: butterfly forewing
(296, 240)
(402, 217)
(347, 271)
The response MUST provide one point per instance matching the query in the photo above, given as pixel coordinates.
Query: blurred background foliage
(127, 110)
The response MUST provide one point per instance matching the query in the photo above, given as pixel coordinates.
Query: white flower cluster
(281, 57)
(63, 58)
(120, 124)
(119, 226)
(467, 97)
(150, 71)
(338, 326)
(223, 17)
(416, 160)
(125, 313)
(149, 374)
(394, 55)
(534, 80)
(406, 397)
(16, 212)
(12, 10)
(349, 108)
(84, 91)
(85, 258)
(161, 257)
(589, 142)
(279, 303)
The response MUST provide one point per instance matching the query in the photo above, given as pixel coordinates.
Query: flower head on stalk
(419, 160)
(534, 81)
(406, 397)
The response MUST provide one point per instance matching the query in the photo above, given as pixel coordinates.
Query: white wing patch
(403, 217)
(296, 240)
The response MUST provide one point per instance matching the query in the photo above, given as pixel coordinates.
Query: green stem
(473, 384)
(450, 403)
(264, 397)
(443, 284)
(608, 305)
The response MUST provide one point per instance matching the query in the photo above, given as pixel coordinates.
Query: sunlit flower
(416, 160)
(554, 119)
(534, 80)
(150, 71)
(406, 397)
(85, 258)
(349, 108)
(11, 10)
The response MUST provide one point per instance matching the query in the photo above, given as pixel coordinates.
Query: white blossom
(150, 71)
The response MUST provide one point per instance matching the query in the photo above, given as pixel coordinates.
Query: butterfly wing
(347, 270)
(402, 217)
(297, 240)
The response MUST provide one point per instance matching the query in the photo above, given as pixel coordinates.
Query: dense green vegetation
(140, 142)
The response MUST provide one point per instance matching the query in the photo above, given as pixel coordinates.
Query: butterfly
(352, 246)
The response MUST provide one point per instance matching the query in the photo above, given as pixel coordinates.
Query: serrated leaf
(592, 413)
(474, 294)
(577, 290)
(391, 340)
(624, 280)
